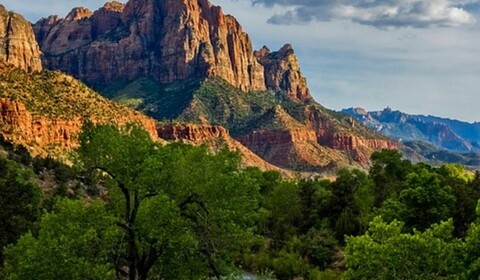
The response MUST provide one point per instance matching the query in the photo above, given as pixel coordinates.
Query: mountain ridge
(444, 133)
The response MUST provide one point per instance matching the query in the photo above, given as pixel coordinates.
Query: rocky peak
(78, 13)
(18, 46)
(114, 6)
(360, 111)
(282, 72)
(166, 40)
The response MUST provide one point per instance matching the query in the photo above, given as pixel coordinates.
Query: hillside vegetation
(216, 102)
(144, 210)
(56, 95)
(44, 111)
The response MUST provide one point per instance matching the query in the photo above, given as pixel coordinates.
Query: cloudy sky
(418, 56)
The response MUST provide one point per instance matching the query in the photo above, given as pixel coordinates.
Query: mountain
(17, 42)
(45, 111)
(442, 133)
(165, 40)
(185, 61)
(425, 152)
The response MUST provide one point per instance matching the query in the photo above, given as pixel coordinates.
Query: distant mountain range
(435, 138)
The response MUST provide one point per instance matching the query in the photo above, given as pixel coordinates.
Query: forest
(126, 207)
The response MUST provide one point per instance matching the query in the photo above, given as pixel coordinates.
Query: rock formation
(215, 137)
(166, 40)
(282, 72)
(21, 126)
(174, 40)
(18, 46)
(45, 111)
(295, 149)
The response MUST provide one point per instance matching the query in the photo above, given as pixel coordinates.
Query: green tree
(185, 212)
(76, 241)
(472, 248)
(423, 202)
(351, 203)
(466, 189)
(20, 200)
(283, 220)
(384, 252)
(388, 172)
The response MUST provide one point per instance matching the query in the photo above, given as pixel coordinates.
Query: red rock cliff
(18, 46)
(215, 137)
(41, 133)
(166, 40)
(282, 72)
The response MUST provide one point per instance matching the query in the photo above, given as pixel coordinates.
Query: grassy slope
(56, 95)
(216, 102)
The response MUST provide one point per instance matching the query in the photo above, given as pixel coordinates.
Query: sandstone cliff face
(18, 46)
(215, 137)
(282, 72)
(344, 137)
(292, 149)
(166, 40)
(41, 133)
(190, 132)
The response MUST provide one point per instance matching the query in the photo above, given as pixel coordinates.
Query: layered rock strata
(166, 40)
(282, 72)
(215, 137)
(18, 46)
(21, 126)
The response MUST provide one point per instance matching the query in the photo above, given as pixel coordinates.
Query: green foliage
(296, 239)
(20, 200)
(423, 202)
(389, 173)
(184, 210)
(384, 252)
(76, 241)
(351, 204)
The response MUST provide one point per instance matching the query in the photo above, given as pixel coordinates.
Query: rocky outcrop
(175, 40)
(18, 46)
(280, 146)
(215, 137)
(165, 40)
(41, 133)
(282, 72)
(191, 132)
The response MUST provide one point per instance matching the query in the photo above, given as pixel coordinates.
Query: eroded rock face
(282, 72)
(191, 132)
(338, 137)
(18, 46)
(166, 40)
(215, 137)
(20, 126)
(285, 148)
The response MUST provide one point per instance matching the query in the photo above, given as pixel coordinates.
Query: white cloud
(385, 14)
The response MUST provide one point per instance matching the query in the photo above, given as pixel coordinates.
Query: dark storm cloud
(385, 14)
